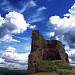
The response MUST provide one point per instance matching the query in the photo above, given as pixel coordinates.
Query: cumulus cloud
(2, 61)
(32, 26)
(1, 20)
(52, 33)
(49, 35)
(10, 56)
(71, 54)
(64, 29)
(8, 38)
(13, 22)
(25, 7)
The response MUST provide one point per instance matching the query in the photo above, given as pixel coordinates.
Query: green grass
(58, 72)
(55, 64)
(46, 73)
(58, 68)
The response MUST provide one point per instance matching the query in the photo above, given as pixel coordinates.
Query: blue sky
(55, 19)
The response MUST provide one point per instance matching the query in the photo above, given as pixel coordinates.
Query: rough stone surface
(42, 49)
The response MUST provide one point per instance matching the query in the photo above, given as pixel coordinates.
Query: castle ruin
(42, 49)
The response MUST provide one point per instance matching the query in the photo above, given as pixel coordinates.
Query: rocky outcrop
(42, 49)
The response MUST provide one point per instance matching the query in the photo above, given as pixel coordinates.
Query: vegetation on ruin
(58, 68)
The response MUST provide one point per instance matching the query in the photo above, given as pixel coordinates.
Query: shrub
(64, 72)
(54, 63)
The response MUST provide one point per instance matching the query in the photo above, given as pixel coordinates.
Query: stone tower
(42, 49)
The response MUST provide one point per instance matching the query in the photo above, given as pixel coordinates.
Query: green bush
(64, 72)
(55, 64)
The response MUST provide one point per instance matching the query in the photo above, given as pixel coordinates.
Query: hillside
(6, 71)
(58, 72)
(55, 67)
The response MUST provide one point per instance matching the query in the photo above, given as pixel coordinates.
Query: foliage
(5, 71)
(58, 72)
(64, 71)
(46, 73)
(55, 64)
(58, 67)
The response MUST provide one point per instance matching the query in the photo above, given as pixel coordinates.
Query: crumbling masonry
(42, 49)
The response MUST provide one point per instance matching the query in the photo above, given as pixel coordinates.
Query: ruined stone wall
(38, 42)
(54, 50)
(42, 49)
(37, 49)
(51, 50)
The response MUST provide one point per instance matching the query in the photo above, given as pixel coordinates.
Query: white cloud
(52, 33)
(14, 65)
(36, 19)
(7, 6)
(71, 52)
(66, 47)
(32, 26)
(10, 56)
(1, 20)
(64, 24)
(10, 49)
(13, 23)
(25, 6)
(41, 8)
(8, 38)
(2, 61)
(71, 55)
(16, 21)
(64, 29)
(49, 34)
(70, 60)
(31, 3)
(72, 10)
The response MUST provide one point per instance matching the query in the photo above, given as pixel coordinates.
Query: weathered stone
(42, 49)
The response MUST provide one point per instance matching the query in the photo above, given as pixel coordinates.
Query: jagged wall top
(42, 49)
(38, 41)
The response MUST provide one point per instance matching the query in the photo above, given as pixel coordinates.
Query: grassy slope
(46, 73)
(60, 72)
(6, 71)
(60, 68)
